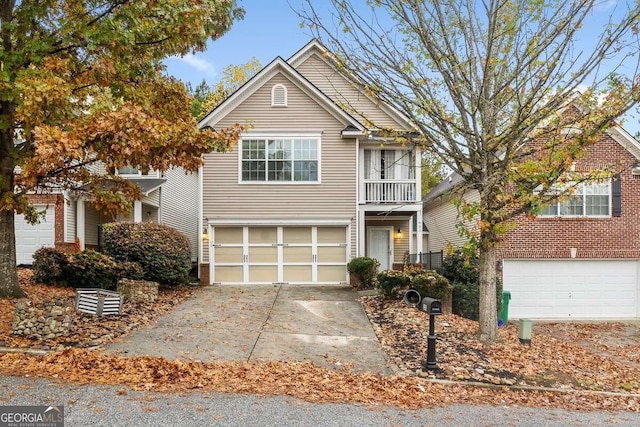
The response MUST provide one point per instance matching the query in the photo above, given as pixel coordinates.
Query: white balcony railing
(390, 191)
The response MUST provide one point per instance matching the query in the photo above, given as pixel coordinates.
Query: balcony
(390, 191)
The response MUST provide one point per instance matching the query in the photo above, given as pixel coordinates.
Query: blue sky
(271, 28)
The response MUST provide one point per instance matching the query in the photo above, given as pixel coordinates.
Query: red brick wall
(204, 274)
(614, 237)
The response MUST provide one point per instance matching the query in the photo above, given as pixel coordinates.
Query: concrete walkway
(325, 325)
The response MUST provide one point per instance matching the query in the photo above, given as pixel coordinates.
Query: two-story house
(311, 184)
(580, 257)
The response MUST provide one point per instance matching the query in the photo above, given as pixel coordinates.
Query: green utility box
(504, 313)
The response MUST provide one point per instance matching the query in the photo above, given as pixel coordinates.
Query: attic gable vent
(279, 96)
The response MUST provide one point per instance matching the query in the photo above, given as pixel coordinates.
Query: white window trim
(609, 215)
(151, 174)
(284, 135)
(276, 87)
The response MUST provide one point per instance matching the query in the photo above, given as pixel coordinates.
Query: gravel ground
(86, 405)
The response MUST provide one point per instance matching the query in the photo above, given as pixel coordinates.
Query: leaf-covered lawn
(576, 358)
(589, 356)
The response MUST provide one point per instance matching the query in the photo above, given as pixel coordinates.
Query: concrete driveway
(325, 325)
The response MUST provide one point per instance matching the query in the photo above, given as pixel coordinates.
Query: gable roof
(276, 66)
(314, 47)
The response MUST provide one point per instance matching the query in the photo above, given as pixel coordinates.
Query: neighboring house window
(129, 170)
(389, 164)
(280, 159)
(279, 96)
(589, 199)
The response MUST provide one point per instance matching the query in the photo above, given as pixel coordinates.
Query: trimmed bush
(463, 272)
(49, 265)
(389, 282)
(431, 284)
(129, 270)
(91, 269)
(364, 269)
(162, 252)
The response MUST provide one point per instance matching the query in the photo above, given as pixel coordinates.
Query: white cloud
(199, 64)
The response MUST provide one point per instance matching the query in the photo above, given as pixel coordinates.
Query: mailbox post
(432, 307)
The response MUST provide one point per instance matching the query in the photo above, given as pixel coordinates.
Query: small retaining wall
(49, 320)
(138, 290)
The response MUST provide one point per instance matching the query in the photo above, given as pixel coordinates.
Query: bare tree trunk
(9, 286)
(488, 304)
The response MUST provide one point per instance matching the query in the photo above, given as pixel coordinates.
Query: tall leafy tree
(233, 76)
(81, 82)
(507, 93)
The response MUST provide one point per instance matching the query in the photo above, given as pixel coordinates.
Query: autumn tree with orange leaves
(81, 83)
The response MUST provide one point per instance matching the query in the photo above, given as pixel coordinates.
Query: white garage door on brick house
(30, 238)
(572, 289)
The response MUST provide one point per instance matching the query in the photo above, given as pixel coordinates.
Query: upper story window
(589, 199)
(133, 171)
(279, 96)
(280, 159)
(389, 164)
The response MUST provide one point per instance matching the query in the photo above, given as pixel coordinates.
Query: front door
(380, 245)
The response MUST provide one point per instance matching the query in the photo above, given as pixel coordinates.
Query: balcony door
(388, 164)
(380, 246)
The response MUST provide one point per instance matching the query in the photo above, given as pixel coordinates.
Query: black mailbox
(430, 305)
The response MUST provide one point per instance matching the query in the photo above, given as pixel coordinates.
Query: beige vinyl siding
(70, 229)
(180, 205)
(338, 88)
(152, 199)
(333, 198)
(441, 216)
(91, 222)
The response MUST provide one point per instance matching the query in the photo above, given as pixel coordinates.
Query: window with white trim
(280, 159)
(279, 95)
(589, 199)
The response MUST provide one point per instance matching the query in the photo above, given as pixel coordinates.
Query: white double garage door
(278, 254)
(30, 238)
(572, 289)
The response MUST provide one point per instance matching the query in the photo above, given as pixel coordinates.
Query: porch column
(419, 248)
(137, 211)
(418, 175)
(361, 235)
(80, 222)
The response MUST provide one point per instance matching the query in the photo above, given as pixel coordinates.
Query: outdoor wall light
(398, 234)
(205, 231)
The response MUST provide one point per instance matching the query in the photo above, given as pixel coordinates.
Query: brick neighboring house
(577, 261)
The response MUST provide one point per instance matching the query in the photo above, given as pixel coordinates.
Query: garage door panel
(263, 254)
(298, 273)
(233, 274)
(263, 235)
(228, 254)
(572, 288)
(298, 254)
(263, 273)
(331, 273)
(296, 235)
(332, 254)
(228, 235)
(331, 235)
